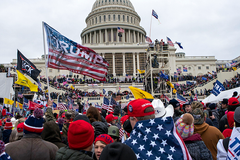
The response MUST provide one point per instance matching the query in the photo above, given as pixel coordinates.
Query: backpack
(225, 143)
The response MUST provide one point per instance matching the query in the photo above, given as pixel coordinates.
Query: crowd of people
(144, 129)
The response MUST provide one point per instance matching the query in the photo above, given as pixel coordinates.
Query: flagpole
(150, 27)
(44, 46)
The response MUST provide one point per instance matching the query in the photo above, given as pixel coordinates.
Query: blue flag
(218, 87)
(104, 91)
(204, 79)
(162, 75)
(179, 44)
(127, 97)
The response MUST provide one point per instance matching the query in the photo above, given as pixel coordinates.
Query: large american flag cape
(157, 139)
(66, 54)
(106, 105)
(181, 99)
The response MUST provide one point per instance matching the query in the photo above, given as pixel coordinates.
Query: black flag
(26, 66)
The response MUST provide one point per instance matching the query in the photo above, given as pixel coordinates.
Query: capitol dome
(125, 52)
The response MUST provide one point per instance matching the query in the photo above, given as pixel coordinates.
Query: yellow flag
(22, 80)
(46, 91)
(170, 84)
(71, 87)
(19, 104)
(174, 91)
(141, 71)
(234, 68)
(8, 101)
(140, 94)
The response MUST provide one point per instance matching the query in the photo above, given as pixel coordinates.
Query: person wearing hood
(13, 137)
(51, 133)
(176, 106)
(193, 142)
(99, 128)
(209, 134)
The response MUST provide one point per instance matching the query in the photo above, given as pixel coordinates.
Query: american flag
(148, 39)
(121, 133)
(166, 97)
(98, 106)
(181, 99)
(70, 103)
(169, 42)
(61, 106)
(20, 95)
(195, 98)
(68, 55)
(106, 105)
(184, 69)
(120, 30)
(157, 139)
(112, 101)
(179, 70)
(154, 14)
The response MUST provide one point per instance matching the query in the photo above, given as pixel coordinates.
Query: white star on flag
(153, 143)
(140, 125)
(141, 147)
(172, 149)
(148, 130)
(155, 136)
(168, 133)
(164, 119)
(134, 141)
(160, 127)
(145, 138)
(134, 132)
(169, 157)
(139, 135)
(164, 142)
(137, 155)
(149, 153)
(151, 121)
(157, 158)
(161, 150)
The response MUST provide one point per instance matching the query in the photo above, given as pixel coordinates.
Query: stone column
(134, 66)
(134, 37)
(138, 64)
(117, 37)
(95, 37)
(100, 36)
(111, 35)
(124, 66)
(129, 36)
(123, 37)
(103, 55)
(106, 36)
(113, 58)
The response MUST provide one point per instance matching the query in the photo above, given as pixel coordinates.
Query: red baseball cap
(20, 127)
(124, 118)
(233, 101)
(136, 108)
(109, 118)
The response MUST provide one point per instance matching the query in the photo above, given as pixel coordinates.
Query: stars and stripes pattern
(68, 55)
(157, 139)
(181, 99)
(120, 30)
(121, 133)
(179, 70)
(169, 41)
(154, 14)
(61, 106)
(106, 105)
(195, 98)
(148, 39)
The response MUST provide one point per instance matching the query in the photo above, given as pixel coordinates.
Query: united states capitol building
(125, 52)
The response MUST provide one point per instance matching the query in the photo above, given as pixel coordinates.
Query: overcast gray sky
(204, 27)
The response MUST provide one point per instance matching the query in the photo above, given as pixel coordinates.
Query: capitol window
(109, 17)
(131, 19)
(127, 19)
(189, 68)
(114, 17)
(92, 21)
(96, 20)
(207, 67)
(118, 17)
(99, 19)
(123, 18)
(199, 67)
(104, 18)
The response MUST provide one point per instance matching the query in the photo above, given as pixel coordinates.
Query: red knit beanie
(80, 135)
(105, 138)
(8, 124)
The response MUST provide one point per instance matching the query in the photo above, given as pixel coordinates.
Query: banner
(66, 54)
(22, 80)
(26, 66)
(234, 144)
(8, 101)
(33, 106)
(218, 87)
(170, 84)
(141, 71)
